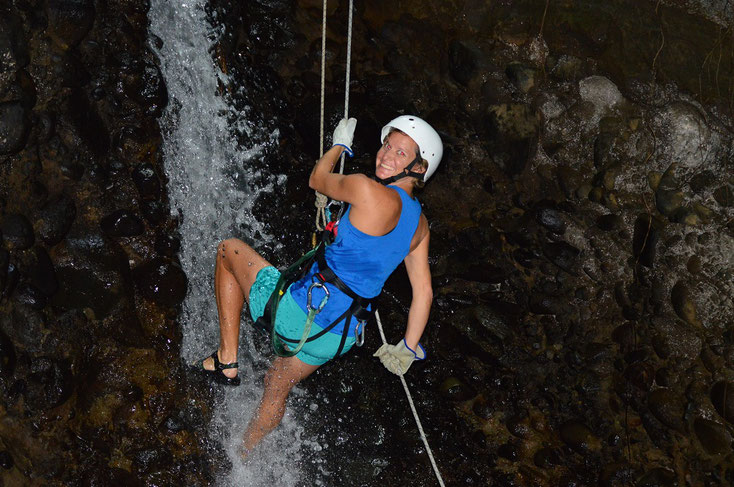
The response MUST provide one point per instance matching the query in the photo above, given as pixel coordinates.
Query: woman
(382, 227)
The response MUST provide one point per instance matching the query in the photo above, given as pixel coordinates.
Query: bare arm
(419, 273)
(350, 188)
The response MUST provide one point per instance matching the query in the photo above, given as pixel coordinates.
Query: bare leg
(285, 373)
(235, 272)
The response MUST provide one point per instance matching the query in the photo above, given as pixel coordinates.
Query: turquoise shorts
(290, 320)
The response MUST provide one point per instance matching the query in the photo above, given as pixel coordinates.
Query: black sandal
(217, 375)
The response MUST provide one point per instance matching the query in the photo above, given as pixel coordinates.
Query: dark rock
(162, 281)
(12, 278)
(702, 181)
(668, 407)
(609, 222)
(482, 409)
(4, 264)
(13, 47)
(603, 150)
(50, 383)
(70, 20)
(625, 335)
(724, 196)
(41, 272)
(722, 397)
(69, 69)
(482, 272)
(616, 474)
(694, 264)
(154, 211)
(546, 458)
(565, 67)
(55, 219)
(542, 304)
(714, 437)
(456, 390)
(28, 294)
(14, 127)
(87, 122)
(508, 451)
(462, 62)
(683, 304)
(7, 355)
(669, 198)
(658, 477)
(17, 231)
(578, 436)
(6, 460)
(665, 377)
(110, 477)
(147, 459)
(512, 131)
(676, 340)
(167, 245)
(86, 288)
(174, 424)
(564, 255)
(644, 241)
(122, 223)
(518, 426)
(146, 180)
(523, 77)
(552, 220)
(640, 375)
(148, 89)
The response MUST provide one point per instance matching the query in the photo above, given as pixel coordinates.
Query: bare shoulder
(370, 194)
(421, 234)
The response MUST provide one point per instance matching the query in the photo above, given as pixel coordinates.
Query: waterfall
(210, 190)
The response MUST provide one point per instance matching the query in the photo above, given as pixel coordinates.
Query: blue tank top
(363, 262)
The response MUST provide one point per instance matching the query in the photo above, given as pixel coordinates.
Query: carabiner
(359, 333)
(323, 301)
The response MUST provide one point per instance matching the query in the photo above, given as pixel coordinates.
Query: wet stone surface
(581, 242)
(571, 190)
(68, 216)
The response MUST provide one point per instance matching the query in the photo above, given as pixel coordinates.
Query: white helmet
(422, 134)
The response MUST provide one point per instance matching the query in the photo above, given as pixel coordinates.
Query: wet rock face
(162, 281)
(17, 231)
(580, 223)
(14, 126)
(573, 196)
(80, 171)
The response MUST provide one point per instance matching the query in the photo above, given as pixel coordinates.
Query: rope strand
(412, 408)
(321, 200)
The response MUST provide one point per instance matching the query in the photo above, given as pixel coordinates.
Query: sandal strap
(220, 366)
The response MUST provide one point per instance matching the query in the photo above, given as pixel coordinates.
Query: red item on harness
(332, 227)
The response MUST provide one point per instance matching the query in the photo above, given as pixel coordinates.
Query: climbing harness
(360, 307)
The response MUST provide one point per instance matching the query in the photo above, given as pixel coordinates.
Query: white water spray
(208, 187)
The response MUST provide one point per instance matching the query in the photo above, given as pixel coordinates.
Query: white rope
(412, 408)
(321, 200)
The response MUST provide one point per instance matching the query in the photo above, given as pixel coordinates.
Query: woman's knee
(228, 249)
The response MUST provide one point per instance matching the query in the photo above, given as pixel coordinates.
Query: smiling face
(397, 151)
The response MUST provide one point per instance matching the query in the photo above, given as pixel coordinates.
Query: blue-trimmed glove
(398, 358)
(344, 134)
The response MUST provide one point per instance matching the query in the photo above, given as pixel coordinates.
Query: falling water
(210, 189)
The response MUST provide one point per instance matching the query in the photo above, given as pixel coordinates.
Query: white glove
(344, 134)
(398, 358)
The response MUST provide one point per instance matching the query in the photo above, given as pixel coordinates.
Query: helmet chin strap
(406, 173)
